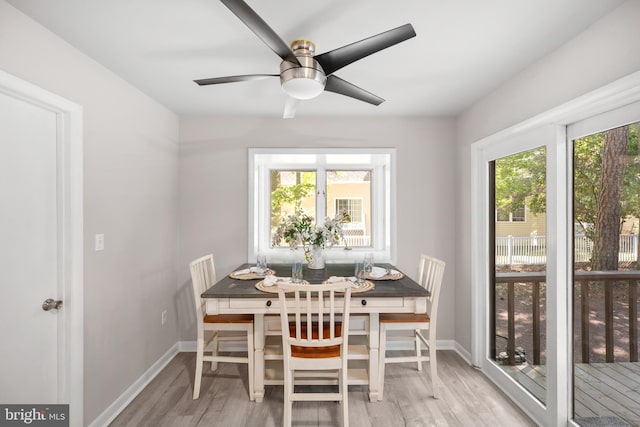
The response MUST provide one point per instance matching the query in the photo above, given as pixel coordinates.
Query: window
(503, 215)
(323, 183)
(291, 191)
(518, 215)
(356, 233)
(351, 206)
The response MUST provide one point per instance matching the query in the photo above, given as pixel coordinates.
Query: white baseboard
(109, 414)
(445, 344)
(462, 352)
(186, 346)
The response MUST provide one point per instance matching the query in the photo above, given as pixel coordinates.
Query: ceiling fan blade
(290, 107)
(334, 60)
(233, 79)
(256, 24)
(336, 85)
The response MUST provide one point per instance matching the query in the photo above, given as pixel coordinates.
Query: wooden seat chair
(315, 339)
(430, 273)
(212, 329)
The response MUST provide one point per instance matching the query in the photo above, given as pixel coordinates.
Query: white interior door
(41, 249)
(28, 252)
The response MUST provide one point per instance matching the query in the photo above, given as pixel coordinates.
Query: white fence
(533, 250)
(357, 241)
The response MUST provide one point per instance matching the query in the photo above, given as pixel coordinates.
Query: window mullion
(377, 212)
(264, 207)
(321, 195)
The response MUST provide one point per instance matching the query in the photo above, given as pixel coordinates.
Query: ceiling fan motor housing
(307, 80)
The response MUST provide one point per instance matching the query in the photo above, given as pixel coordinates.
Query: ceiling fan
(304, 75)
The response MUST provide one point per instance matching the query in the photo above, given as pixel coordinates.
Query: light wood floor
(467, 399)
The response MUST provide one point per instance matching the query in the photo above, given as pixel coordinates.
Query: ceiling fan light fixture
(303, 88)
(304, 75)
(304, 81)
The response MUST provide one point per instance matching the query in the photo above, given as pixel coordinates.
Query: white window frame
(483, 153)
(382, 163)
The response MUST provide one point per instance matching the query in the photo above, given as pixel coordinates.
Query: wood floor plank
(467, 399)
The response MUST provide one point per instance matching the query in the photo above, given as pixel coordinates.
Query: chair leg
(251, 367)
(418, 350)
(344, 390)
(199, 363)
(433, 363)
(381, 360)
(288, 404)
(214, 352)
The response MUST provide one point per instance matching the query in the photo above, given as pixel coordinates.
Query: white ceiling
(463, 48)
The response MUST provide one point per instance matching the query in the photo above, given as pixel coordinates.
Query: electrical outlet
(164, 317)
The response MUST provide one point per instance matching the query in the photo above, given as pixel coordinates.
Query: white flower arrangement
(299, 230)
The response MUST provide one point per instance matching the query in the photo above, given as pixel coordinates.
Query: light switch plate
(99, 242)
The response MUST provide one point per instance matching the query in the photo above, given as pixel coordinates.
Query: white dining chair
(314, 338)
(212, 329)
(430, 274)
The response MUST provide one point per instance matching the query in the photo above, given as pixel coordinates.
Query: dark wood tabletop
(234, 288)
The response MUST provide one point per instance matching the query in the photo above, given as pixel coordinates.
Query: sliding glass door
(519, 264)
(606, 215)
(512, 291)
(556, 303)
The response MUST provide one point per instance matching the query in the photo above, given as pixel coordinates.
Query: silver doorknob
(51, 304)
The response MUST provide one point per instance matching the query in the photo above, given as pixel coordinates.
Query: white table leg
(258, 339)
(374, 356)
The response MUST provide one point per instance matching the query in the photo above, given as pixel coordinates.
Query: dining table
(398, 293)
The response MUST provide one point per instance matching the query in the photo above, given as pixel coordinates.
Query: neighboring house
(520, 224)
(349, 191)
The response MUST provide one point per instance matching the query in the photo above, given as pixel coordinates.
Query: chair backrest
(203, 276)
(316, 320)
(430, 273)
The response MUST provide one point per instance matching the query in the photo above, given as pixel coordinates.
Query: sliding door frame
(493, 150)
(549, 129)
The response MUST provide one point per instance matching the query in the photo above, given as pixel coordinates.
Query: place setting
(358, 280)
(357, 285)
(371, 272)
(270, 283)
(259, 271)
(379, 273)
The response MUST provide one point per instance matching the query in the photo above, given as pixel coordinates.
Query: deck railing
(582, 279)
(608, 279)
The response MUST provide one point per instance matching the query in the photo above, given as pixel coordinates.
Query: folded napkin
(377, 272)
(337, 279)
(248, 271)
(273, 280)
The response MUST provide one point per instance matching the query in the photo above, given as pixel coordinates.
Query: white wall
(606, 51)
(214, 199)
(130, 195)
